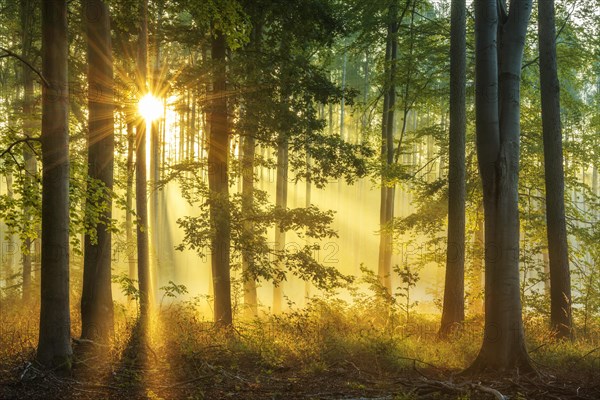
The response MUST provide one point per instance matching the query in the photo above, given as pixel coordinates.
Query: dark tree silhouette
(558, 250)
(453, 312)
(141, 184)
(54, 347)
(218, 180)
(96, 299)
(499, 43)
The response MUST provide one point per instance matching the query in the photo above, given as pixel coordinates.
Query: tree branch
(31, 67)
(16, 142)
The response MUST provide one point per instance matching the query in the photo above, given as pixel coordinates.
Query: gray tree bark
(97, 315)
(386, 210)
(248, 154)
(129, 116)
(141, 184)
(558, 250)
(499, 40)
(281, 202)
(27, 11)
(54, 346)
(218, 180)
(453, 313)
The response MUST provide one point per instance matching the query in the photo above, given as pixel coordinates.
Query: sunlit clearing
(150, 107)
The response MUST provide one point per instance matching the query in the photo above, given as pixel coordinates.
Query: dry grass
(331, 346)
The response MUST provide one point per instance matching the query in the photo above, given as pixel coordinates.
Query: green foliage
(172, 290)
(128, 286)
(24, 194)
(409, 279)
(307, 223)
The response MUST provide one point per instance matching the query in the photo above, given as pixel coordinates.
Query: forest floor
(317, 353)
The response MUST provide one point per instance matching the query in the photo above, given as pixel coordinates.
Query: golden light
(150, 107)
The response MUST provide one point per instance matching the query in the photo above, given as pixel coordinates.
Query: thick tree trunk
(498, 72)
(54, 347)
(141, 183)
(218, 180)
(453, 313)
(97, 316)
(558, 251)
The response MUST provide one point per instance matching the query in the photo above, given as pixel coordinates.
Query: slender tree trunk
(386, 212)
(558, 250)
(281, 202)
(248, 153)
(10, 245)
(141, 189)
(500, 39)
(193, 130)
(129, 194)
(477, 279)
(281, 195)
(343, 102)
(157, 272)
(366, 89)
(54, 346)
(307, 202)
(453, 312)
(27, 11)
(248, 159)
(218, 180)
(97, 316)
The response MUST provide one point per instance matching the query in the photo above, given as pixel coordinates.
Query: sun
(150, 107)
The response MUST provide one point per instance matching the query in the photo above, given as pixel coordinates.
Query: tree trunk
(248, 153)
(366, 89)
(9, 246)
(54, 346)
(307, 203)
(27, 11)
(97, 316)
(500, 39)
(141, 183)
(281, 187)
(558, 251)
(453, 313)
(343, 102)
(476, 303)
(218, 180)
(281, 202)
(386, 211)
(157, 272)
(130, 117)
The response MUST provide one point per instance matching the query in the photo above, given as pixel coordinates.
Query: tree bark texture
(54, 346)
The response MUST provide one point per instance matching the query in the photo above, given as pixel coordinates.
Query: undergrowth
(367, 338)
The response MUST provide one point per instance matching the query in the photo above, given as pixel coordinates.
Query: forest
(307, 199)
